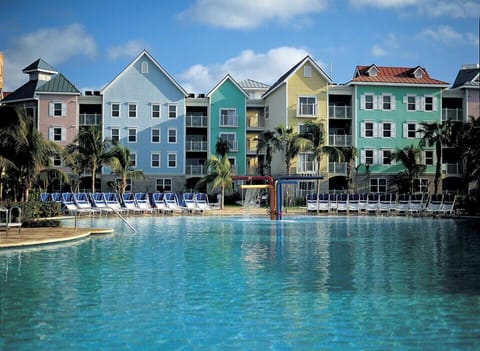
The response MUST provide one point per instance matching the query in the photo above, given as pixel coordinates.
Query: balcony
(90, 119)
(453, 114)
(195, 170)
(252, 146)
(452, 169)
(339, 112)
(338, 168)
(196, 146)
(196, 120)
(340, 140)
(256, 123)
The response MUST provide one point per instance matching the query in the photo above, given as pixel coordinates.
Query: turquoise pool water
(205, 283)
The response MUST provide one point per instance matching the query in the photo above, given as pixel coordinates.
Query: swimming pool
(234, 283)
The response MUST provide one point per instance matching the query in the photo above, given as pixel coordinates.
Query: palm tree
(28, 153)
(436, 135)
(90, 151)
(468, 145)
(408, 156)
(268, 143)
(119, 161)
(288, 142)
(350, 154)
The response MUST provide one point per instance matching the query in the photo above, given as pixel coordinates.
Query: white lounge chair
(353, 202)
(171, 200)
(342, 203)
(190, 203)
(332, 202)
(385, 204)
(416, 204)
(434, 205)
(130, 204)
(112, 201)
(71, 207)
(82, 202)
(158, 200)
(11, 218)
(402, 204)
(144, 202)
(312, 202)
(99, 203)
(448, 204)
(372, 203)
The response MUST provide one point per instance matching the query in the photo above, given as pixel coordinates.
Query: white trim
(168, 136)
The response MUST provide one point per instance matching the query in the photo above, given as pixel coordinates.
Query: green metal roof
(39, 65)
(58, 84)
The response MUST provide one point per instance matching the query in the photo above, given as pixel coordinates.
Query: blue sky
(199, 41)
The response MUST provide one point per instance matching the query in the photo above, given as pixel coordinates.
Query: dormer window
(144, 67)
(418, 73)
(307, 71)
(372, 71)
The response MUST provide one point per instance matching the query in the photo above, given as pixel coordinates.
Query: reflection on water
(249, 283)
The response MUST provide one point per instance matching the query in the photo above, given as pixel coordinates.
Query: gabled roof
(468, 76)
(253, 84)
(39, 66)
(25, 92)
(150, 57)
(228, 77)
(58, 84)
(394, 75)
(292, 70)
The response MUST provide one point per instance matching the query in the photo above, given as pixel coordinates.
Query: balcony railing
(340, 140)
(252, 146)
(452, 169)
(337, 168)
(196, 145)
(199, 121)
(255, 123)
(340, 112)
(195, 170)
(453, 114)
(90, 119)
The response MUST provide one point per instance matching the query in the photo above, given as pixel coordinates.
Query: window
(132, 162)
(267, 112)
(230, 138)
(367, 102)
(307, 71)
(428, 157)
(115, 134)
(115, 110)
(172, 160)
(386, 156)
(57, 161)
(118, 181)
(155, 160)
(388, 130)
(172, 111)
(228, 117)
(155, 110)
(144, 67)
(368, 129)
(387, 102)
(411, 103)
(132, 135)
(306, 106)
(132, 110)
(378, 185)
(56, 134)
(368, 156)
(155, 135)
(428, 106)
(409, 130)
(57, 109)
(305, 163)
(163, 184)
(172, 136)
(420, 185)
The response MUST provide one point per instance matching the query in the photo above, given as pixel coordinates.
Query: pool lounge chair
(434, 205)
(312, 202)
(130, 204)
(11, 218)
(71, 207)
(171, 200)
(144, 202)
(158, 199)
(416, 204)
(342, 203)
(332, 202)
(190, 204)
(82, 201)
(448, 204)
(372, 203)
(353, 202)
(99, 203)
(402, 204)
(385, 203)
(362, 203)
(44, 197)
(113, 202)
(201, 199)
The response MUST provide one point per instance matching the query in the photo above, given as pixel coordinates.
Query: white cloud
(264, 67)
(433, 8)
(378, 51)
(245, 14)
(129, 50)
(54, 45)
(448, 36)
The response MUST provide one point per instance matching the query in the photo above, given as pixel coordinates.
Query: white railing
(339, 112)
(453, 114)
(196, 145)
(256, 123)
(340, 140)
(195, 170)
(194, 120)
(452, 168)
(90, 119)
(337, 167)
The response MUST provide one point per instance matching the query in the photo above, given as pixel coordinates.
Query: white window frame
(57, 109)
(163, 184)
(364, 158)
(364, 102)
(307, 71)
(306, 163)
(407, 100)
(432, 104)
(363, 129)
(129, 135)
(53, 134)
(407, 131)
(383, 155)
(144, 67)
(233, 145)
(154, 155)
(152, 131)
(420, 185)
(132, 113)
(112, 129)
(155, 114)
(132, 161)
(112, 110)
(302, 106)
(172, 114)
(169, 136)
(383, 129)
(57, 161)
(391, 102)
(380, 188)
(174, 160)
(428, 157)
(228, 120)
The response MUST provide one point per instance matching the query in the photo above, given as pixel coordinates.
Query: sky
(198, 42)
